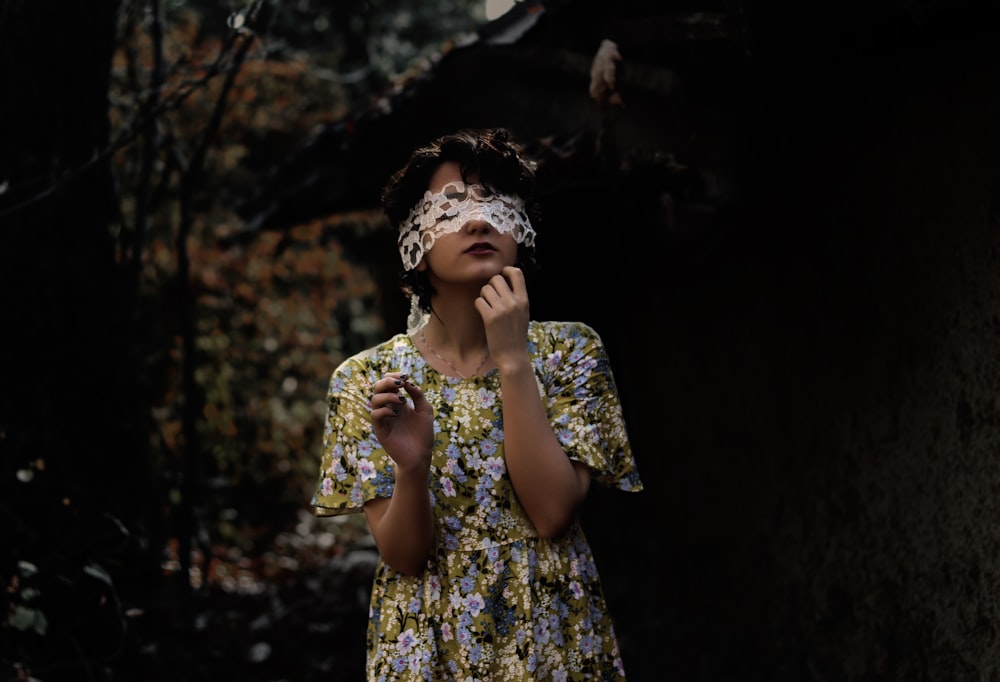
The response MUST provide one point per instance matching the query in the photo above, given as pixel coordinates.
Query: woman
(471, 441)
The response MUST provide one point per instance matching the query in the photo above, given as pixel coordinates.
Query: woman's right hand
(405, 428)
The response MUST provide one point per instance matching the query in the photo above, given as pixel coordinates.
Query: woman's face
(475, 252)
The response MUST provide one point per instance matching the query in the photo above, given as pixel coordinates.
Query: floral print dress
(495, 602)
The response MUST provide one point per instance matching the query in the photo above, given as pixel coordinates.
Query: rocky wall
(813, 392)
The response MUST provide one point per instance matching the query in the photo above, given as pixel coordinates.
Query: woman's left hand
(503, 305)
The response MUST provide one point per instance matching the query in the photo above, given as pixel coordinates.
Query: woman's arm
(403, 525)
(548, 484)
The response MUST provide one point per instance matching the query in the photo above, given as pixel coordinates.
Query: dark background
(791, 249)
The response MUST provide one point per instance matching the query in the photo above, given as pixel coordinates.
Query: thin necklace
(445, 360)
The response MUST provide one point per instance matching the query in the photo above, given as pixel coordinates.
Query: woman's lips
(480, 249)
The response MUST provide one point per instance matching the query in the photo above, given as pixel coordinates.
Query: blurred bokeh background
(782, 218)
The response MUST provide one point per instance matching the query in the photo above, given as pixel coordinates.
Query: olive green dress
(495, 601)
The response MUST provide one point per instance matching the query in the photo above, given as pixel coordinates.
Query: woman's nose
(477, 226)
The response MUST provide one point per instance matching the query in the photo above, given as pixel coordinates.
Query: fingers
(420, 403)
(391, 391)
(510, 282)
(389, 396)
(392, 403)
(508, 286)
(515, 277)
(393, 382)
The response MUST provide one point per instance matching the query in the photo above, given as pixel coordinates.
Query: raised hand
(405, 428)
(503, 305)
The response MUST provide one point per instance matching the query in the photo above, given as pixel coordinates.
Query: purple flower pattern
(495, 601)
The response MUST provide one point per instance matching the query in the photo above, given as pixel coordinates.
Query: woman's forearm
(549, 486)
(403, 525)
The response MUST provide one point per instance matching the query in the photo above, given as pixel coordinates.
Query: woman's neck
(456, 328)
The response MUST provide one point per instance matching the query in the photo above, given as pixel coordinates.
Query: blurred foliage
(275, 316)
(358, 44)
(268, 582)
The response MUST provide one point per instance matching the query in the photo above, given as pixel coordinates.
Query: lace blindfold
(457, 204)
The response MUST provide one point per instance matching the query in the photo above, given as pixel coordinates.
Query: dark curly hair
(491, 153)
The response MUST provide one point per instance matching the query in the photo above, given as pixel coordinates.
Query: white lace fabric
(447, 211)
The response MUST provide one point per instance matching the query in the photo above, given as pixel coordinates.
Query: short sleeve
(584, 406)
(354, 467)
